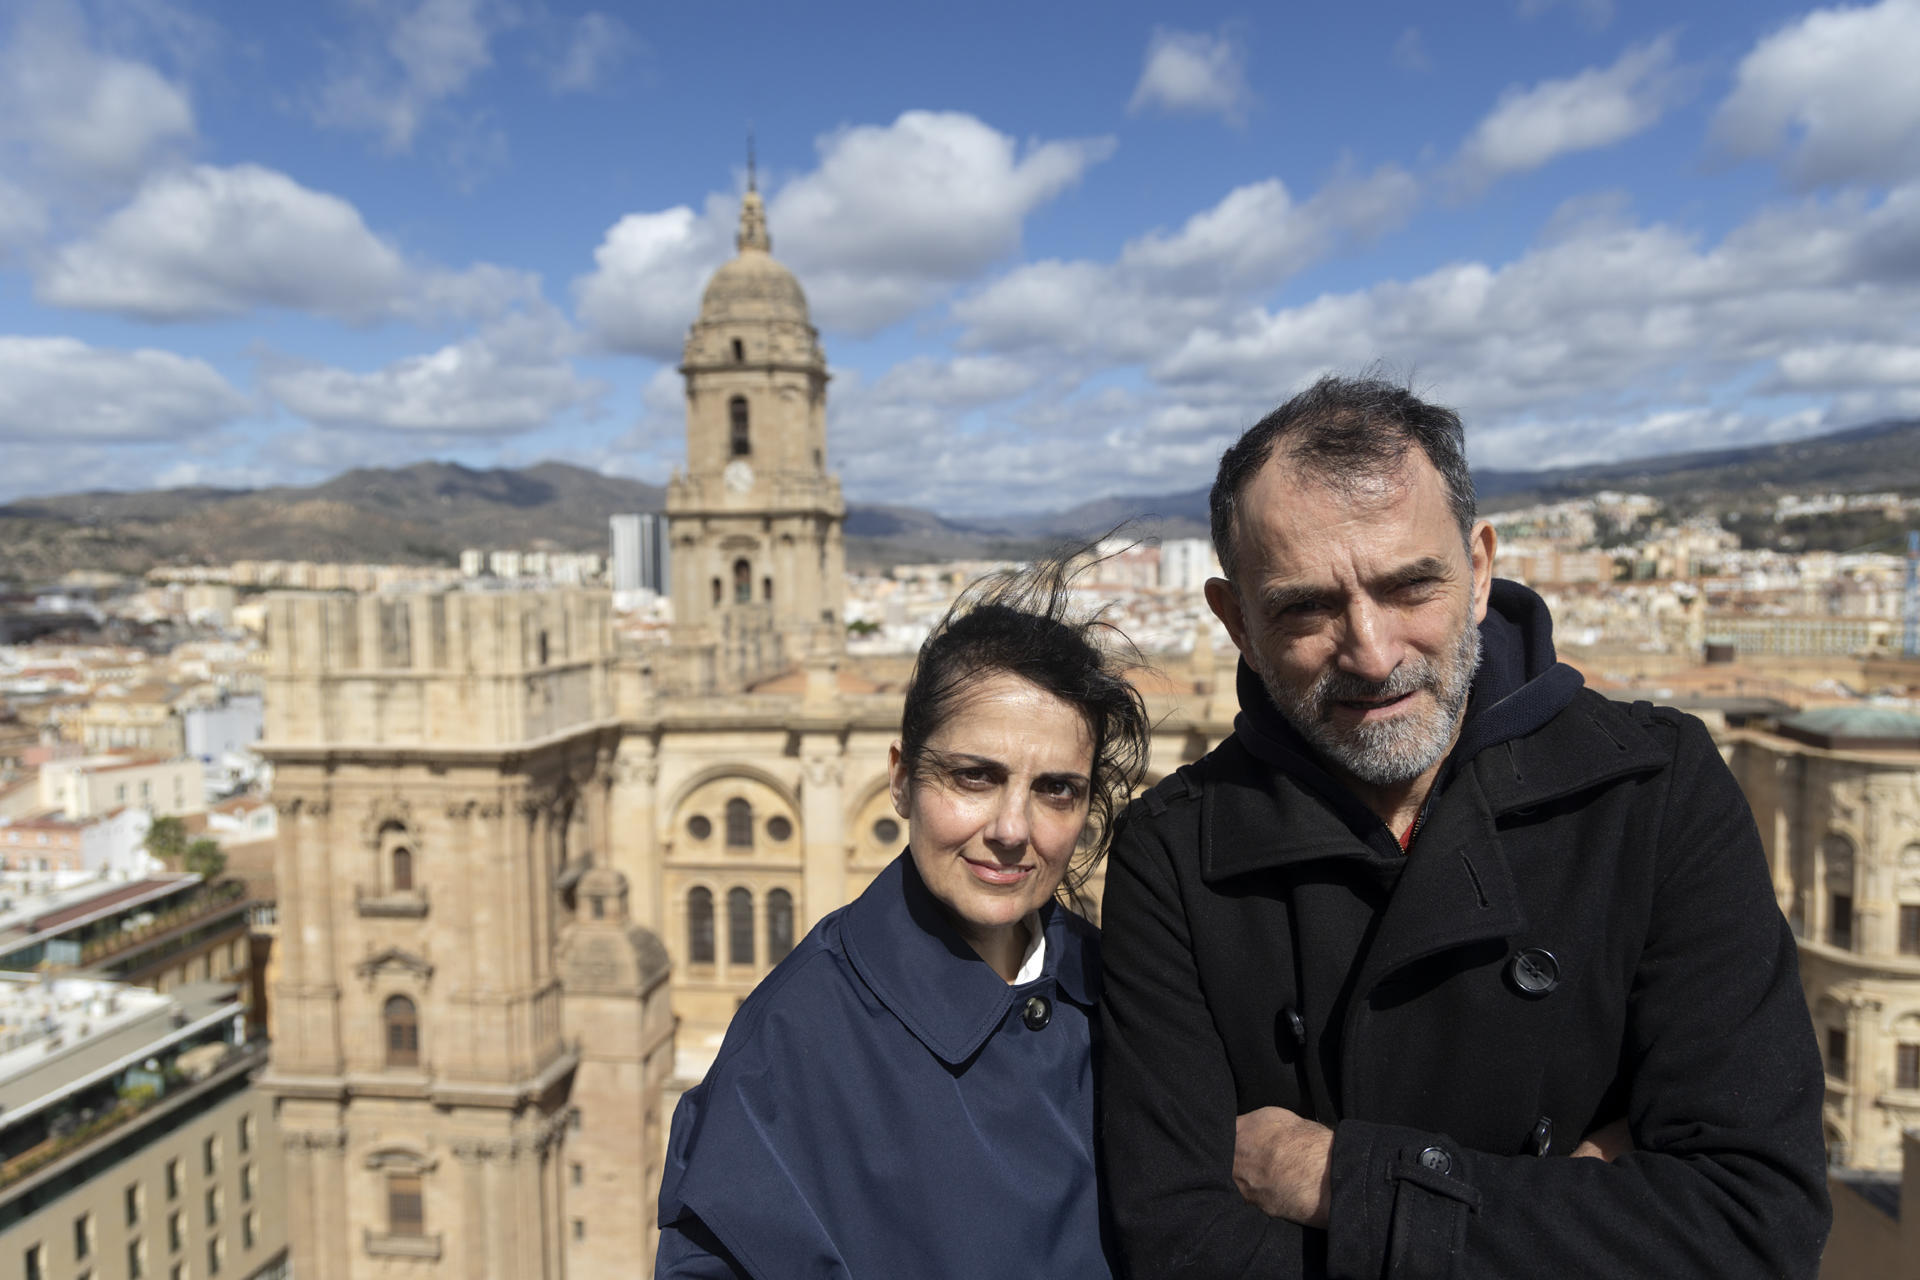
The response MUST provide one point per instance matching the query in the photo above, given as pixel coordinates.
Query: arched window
(716, 590)
(403, 870)
(779, 925)
(403, 1032)
(739, 352)
(739, 824)
(742, 582)
(739, 436)
(699, 926)
(739, 927)
(766, 590)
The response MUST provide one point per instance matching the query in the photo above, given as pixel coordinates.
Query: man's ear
(1225, 603)
(1481, 545)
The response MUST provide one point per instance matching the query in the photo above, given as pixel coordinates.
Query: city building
(639, 553)
(87, 785)
(107, 842)
(132, 1143)
(1836, 793)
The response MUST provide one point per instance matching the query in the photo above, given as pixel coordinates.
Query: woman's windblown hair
(1022, 622)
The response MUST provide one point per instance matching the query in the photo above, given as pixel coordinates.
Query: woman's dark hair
(1018, 621)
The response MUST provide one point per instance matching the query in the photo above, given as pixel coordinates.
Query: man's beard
(1385, 753)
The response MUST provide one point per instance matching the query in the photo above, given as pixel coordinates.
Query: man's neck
(1399, 804)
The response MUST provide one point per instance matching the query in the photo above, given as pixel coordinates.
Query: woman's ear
(899, 783)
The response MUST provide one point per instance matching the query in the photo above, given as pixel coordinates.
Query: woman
(910, 1092)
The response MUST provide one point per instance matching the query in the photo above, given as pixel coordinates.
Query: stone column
(824, 820)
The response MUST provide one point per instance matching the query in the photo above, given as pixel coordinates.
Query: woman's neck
(1003, 948)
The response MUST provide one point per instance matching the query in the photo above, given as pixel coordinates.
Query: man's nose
(1370, 647)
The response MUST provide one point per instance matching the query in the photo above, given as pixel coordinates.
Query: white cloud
(81, 115)
(1838, 88)
(648, 273)
(410, 61)
(1410, 51)
(514, 376)
(597, 46)
(62, 390)
(896, 214)
(1599, 107)
(1165, 284)
(893, 217)
(209, 241)
(1194, 72)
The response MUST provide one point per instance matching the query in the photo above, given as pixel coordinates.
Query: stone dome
(753, 286)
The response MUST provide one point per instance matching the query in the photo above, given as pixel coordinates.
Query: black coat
(1267, 944)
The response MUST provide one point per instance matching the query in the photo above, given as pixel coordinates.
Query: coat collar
(899, 941)
(1250, 801)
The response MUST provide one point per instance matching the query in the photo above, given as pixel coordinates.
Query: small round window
(699, 826)
(886, 830)
(778, 828)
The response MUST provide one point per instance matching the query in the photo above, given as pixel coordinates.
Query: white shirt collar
(1035, 961)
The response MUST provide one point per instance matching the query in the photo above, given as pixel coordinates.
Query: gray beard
(1395, 751)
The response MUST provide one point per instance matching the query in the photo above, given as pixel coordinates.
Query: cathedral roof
(1856, 726)
(753, 286)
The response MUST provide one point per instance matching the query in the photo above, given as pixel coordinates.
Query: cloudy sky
(1055, 251)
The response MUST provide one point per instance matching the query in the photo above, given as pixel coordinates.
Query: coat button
(1296, 1026)
(1534, 971)
(1037, 1014)
(1436, 1159)
(1540, 1142)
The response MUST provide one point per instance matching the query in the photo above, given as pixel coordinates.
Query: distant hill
(428, 512)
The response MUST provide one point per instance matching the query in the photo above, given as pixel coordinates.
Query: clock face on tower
(738, 476)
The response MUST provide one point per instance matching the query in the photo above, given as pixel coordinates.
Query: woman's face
(995, 810)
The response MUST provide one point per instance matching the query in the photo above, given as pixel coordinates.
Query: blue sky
(1055, 251)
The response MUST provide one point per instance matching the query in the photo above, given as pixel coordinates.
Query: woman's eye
(972, 777)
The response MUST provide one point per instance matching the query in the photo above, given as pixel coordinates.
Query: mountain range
(428, 512)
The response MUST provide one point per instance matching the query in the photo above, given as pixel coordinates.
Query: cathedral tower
(756, 519)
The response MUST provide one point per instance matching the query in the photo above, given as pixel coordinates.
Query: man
(1435, 917)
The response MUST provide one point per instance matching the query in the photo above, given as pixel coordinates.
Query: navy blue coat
(884, 1105)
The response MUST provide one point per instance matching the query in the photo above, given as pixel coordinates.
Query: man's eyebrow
(1407, 574)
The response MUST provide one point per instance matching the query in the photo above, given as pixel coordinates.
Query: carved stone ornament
(461, 810)
(323, 1140)
(390, 959)
(823, 771)
(399, 1159)
(386, 809)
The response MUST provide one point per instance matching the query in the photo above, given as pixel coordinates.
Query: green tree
(167, 840)
(204, 858)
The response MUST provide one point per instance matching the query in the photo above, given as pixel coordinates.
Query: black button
(1541, 1140)
(1534, 971)
(1436, 1159)
(1037, 1014)
(1296, 1025)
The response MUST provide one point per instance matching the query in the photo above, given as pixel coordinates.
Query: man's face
(1359, 611)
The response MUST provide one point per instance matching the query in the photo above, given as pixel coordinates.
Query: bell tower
(756, 519)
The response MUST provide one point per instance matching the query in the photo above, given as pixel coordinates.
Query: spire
(753, 213)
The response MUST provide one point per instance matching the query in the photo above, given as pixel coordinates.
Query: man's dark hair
(1019, 622)
(1343, 431)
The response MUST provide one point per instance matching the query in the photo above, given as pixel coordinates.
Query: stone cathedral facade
(522, 871)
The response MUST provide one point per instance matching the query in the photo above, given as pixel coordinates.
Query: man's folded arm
(1167, 1094)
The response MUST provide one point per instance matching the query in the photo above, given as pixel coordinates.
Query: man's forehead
(1284, 500)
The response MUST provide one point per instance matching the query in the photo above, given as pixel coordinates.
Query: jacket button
(1541, 1140)
(1037, 1014)
(1534, 971)
(1296, 1026)
(1436, 1159)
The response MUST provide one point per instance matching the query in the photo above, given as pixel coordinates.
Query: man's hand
(1608, 1142)
(1281, 1163)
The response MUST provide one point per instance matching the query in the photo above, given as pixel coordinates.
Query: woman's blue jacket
(885, 1105)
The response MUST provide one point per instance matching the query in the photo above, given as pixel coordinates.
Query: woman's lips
(995, 873)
